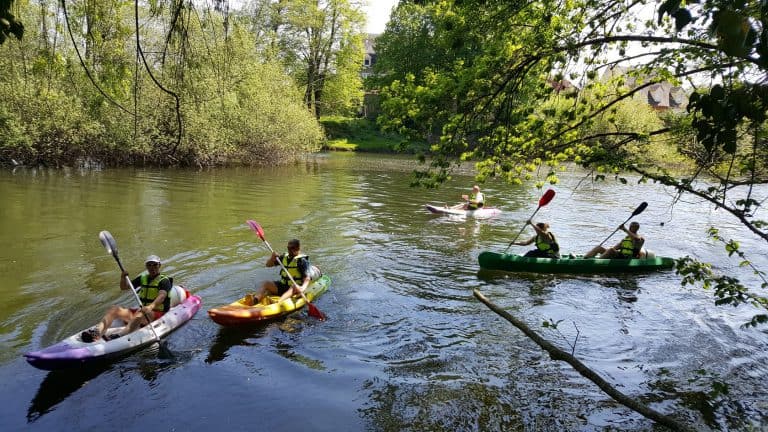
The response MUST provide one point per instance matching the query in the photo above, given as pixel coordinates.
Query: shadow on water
(58, 385)
(626, 286)
(234, 336)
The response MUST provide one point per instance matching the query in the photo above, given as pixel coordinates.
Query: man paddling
(154, 291)
(629, 247)
(298, 269)
(473, 201)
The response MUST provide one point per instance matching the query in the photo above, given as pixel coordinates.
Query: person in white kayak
(473, 201)
(154, 291)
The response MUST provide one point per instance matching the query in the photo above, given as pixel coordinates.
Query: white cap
(153, 258)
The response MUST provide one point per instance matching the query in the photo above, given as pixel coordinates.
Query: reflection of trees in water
(465, 406)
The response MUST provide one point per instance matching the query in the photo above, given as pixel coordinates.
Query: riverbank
(363, 135)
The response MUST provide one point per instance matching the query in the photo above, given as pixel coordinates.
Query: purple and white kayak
(72, 351)
(481, 213)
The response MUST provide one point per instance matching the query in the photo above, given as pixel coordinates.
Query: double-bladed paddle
(544, 200)
(312, 309)
(637, 211)
(111, 245)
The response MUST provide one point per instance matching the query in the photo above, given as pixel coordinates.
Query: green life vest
(292, 265)
(151, 289)
(472, 205)
(547, 244)
(627, 247)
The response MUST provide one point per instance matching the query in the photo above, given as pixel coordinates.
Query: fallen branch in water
(556, 353)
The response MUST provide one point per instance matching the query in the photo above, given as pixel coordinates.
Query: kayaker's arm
(525, 243)
(272, 260)
(161, 295)
(124, 281)
(634, 236)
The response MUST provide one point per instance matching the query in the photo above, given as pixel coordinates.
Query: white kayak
(72, 351)
(483, 212)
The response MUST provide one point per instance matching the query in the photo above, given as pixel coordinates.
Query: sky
(378, 14)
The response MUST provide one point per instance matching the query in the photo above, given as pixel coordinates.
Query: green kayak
(575, 265)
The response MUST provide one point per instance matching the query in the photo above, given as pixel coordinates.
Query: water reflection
(58, 385)
(227, 337)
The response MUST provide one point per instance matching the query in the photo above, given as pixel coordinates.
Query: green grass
(360, 134)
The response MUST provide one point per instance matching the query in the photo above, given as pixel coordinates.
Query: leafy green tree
(83, 86)
(321, 44)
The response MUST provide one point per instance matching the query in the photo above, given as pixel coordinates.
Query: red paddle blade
(314, 312)
(256, 227)
(547, 197)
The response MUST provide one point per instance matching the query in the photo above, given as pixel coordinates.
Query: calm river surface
(406, 347)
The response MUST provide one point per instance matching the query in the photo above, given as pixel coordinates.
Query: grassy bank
(363, 135)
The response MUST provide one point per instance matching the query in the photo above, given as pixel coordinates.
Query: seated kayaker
(298, 267)
(153, 289)
(475, 200)
(629, 247)
(546, 244)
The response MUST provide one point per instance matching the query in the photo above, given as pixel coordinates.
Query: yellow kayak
(241, 312)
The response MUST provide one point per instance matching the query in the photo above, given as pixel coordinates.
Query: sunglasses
(153, 264)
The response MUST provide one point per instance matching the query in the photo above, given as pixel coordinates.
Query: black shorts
(282, 287)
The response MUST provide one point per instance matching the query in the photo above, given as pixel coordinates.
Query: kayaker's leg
(593, 253)
(265, 288)
(611, 253)
(113, 313)
(138, 319)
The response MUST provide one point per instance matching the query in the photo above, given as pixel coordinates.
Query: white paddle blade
(108, 241)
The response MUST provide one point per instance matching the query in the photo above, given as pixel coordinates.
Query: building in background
(660, 96)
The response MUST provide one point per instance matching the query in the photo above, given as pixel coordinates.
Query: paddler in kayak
(546, 244)
(298, 267)
(473, 201)
(153, 289)
(629, 247)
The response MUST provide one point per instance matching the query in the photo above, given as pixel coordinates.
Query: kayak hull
(239, 313)
(577, 265)
(481, 213)
(73, 352)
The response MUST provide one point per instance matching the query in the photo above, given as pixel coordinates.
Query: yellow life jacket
(293, 269)
(547, 244)
(472, 205)
(627, 247)
(150, 289)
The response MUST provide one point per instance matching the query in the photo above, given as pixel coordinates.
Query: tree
(321, 42)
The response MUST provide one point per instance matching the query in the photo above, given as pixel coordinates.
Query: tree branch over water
(556, 353)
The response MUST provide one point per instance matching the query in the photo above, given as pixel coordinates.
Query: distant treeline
(199, 86)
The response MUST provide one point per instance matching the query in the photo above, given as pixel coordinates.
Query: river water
(406, 346)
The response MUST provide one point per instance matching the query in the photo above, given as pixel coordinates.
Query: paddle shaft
(521, 230)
